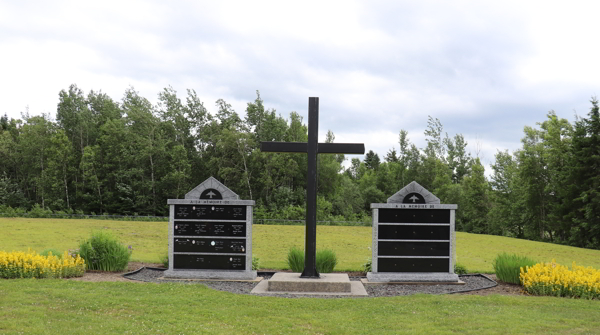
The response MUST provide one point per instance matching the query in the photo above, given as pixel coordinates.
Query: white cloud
(483, 68)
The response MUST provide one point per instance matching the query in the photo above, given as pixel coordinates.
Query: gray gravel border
(473, 282)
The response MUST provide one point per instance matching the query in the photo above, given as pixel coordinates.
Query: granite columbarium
(210, 234)
(413, 238)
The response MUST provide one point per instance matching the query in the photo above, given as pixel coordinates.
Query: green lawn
(271, 243)
(69, 307)
(30, 306)
(148, 239)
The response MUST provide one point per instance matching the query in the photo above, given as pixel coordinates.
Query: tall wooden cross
(313, 147)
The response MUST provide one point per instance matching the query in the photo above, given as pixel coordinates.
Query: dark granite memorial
(210, 234)
(413, 238)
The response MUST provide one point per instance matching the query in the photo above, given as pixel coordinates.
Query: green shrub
(460, 269)
(164, 259)
(104, 252)
(368, 266)
(508, 267)
(326, 260)
(54, 252)
(255, 263)
(295, 259)
(38, 212)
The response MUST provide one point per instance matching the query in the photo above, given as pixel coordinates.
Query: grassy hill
(55, 306)
(271, 243)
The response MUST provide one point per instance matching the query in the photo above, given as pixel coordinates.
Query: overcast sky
(486, 69)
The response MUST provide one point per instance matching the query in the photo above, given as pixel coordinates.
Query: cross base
(308, 273)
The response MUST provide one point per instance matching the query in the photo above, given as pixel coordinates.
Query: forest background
(102, 156)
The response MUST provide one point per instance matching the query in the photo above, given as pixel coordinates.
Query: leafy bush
(326, 260)
(19, 264)
(368, 266)
(164, 259)
(460, 269)
(104, 252)
(38, 212)
(50, 251)
(508, 267)
(557, 280)
(295, 259)
(255, 263)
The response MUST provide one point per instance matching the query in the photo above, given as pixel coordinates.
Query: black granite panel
(219, 212)
(220, 245)
(393, 232)
(209, 262)
(413, 248)
(387, 215)
(413, 265)
(190, 228)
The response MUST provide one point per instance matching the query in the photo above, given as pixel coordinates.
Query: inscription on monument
(216, 262)
(412, 265)
(217, 212)
(210, 245)
(191, 228)
(414, 216)
(414, 249)
(413, 232)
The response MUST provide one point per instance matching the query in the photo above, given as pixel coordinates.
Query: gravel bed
(472, 282)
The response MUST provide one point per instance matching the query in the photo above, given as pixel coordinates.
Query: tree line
(128, 157)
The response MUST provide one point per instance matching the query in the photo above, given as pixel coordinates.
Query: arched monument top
(212, 189)
(414, 193)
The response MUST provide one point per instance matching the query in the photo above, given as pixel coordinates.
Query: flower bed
(557, 280)
(19, 264)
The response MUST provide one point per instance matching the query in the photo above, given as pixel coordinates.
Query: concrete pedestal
(327, 284)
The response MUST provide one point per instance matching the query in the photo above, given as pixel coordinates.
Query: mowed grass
(70, 307)
(148, 239)
(33, 306)
(477, 252)
(352, 245)
(271, 243)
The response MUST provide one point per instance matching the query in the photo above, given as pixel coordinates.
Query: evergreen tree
(586, 149)
(372, 160)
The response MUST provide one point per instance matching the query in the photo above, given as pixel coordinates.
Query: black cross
(313, 147)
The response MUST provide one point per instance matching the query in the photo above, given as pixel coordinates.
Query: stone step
(291, 282)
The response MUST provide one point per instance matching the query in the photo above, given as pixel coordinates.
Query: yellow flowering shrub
(557, 280)
(20, 264)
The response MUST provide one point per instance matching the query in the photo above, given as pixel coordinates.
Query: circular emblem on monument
(211, 193)
(413, 198)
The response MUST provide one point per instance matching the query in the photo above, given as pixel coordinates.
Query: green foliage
(164, 259)
(372, 160)
(54, 252)
(368, 266)
(255, 263)
(38, 212)
(508, 266)
(270, 242)
(102, 251)
(295, 259)
(33, 306)
(326, 260)
(129, 157)
(460, 269)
